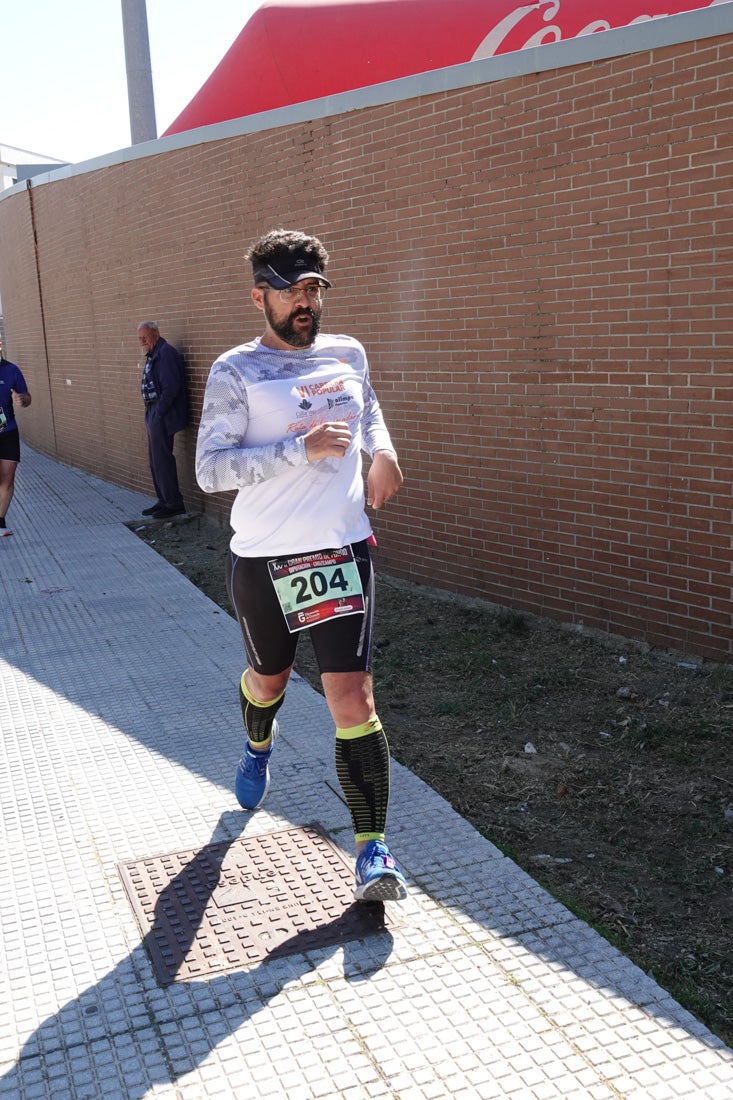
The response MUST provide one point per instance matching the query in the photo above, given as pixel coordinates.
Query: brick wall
(539, 267)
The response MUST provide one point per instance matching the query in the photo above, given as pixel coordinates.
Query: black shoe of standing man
(165, 513)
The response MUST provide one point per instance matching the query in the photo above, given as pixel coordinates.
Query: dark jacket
(166, 367)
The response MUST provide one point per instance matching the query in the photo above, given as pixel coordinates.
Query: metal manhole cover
(230, 905)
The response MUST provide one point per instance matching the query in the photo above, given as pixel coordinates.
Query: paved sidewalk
(120, 732)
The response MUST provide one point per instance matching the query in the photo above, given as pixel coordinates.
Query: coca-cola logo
(547, 21)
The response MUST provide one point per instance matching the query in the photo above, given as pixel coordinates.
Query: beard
(286, 330)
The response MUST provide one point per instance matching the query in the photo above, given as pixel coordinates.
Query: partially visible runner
(12, 388)
(285, 418)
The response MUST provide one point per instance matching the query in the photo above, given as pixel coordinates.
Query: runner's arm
(384, 479)
(23, 399)
(223, 462)
(374, 433)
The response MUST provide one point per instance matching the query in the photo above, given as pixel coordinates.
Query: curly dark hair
(278, 243)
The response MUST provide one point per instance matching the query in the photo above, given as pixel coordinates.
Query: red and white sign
(291, 51)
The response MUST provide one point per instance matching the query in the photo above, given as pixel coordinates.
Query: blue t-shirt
(10, 379)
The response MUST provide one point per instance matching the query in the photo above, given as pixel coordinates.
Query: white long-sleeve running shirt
(258, 405)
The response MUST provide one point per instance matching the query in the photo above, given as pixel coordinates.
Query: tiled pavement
(120, 731)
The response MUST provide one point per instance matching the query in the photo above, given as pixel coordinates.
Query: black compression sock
(257, 716)
(362, 767)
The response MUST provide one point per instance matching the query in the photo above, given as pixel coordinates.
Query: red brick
(539, 269)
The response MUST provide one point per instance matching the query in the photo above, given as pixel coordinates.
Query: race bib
(312, 588)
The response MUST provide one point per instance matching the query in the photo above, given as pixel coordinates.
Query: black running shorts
(10, 446)
(341, 645)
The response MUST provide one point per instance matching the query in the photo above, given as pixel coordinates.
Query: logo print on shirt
(335, 386)
(304, 404)
(343, 400)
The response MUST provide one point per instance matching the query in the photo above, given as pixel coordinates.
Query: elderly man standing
(164, 394)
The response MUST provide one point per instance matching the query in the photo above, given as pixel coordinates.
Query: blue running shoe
(252, 781)
(378, 878)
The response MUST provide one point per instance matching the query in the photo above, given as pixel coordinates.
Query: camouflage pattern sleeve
(375, 435)
(223, 461)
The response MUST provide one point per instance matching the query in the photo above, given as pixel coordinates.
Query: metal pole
(139, 72)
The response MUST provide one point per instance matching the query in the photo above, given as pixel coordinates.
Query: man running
(12, 388)
(285, 418)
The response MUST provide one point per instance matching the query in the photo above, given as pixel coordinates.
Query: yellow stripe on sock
(251, 699)
(353, 732)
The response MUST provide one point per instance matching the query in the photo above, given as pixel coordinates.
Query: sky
(64, 84)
